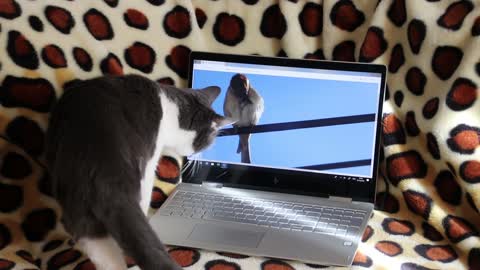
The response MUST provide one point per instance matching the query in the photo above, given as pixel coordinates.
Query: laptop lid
(318, 134)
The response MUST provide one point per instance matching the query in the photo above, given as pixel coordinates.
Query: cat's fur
(104, 139)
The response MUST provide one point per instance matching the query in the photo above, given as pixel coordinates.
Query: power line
(361, 118)
(338, 165)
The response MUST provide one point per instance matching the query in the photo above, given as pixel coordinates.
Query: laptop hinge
(340, 199)
(212, 185)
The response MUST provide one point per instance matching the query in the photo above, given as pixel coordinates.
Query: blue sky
(296, 99)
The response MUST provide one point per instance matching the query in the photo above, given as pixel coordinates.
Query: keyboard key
(344, 221)
(273, 219)
(165, 213)
(352, 231)
(187, 212)
(300, 213)
(248, 212)
(313, 214)
(324, 219)
(262, 218)
(196, 215)
(251, 221)
(307, 229)
(358, 215)
(219, 213)
(240, 215)
(308, 219)
(308, 223)
(208, 217)
(315, 210)
(284, 226)
(332, 226)
(296, 228)
(258, 213)
(283, 220)
(356, 221)
(330, 231)
(176, 213)
(263, 224)
(328, 210)
(321, 225)
(340, 232)
(295, 222)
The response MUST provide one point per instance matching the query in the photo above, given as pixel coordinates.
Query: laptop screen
(292, 120)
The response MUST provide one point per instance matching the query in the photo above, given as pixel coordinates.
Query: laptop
(307, 189)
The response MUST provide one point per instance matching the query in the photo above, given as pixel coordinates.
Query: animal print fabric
(428, 196)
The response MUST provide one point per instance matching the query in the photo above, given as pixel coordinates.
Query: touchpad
(227, 236)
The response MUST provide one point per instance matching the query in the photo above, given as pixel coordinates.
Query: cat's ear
(210, 93)
(221, 121)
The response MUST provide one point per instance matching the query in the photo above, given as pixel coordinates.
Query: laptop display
(301, 124)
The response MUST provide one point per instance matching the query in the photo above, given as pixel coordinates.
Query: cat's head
(197, 118)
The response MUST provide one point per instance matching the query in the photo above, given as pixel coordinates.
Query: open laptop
(309, 188)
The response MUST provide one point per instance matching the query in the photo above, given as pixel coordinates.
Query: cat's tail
(127, 224)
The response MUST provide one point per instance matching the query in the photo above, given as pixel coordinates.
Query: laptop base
(254, 240)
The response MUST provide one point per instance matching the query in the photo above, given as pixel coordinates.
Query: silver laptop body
(309, 190)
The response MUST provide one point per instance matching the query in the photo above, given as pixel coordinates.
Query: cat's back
(108, 92)
(106, 113)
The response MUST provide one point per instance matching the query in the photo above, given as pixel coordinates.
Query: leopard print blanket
(428, 197)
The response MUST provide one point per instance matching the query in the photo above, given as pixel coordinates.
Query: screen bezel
(280, 180)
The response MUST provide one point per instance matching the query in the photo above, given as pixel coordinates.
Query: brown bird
(245, 105)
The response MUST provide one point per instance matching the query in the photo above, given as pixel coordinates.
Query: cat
(104, 139)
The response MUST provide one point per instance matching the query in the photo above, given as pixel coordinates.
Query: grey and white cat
(104, 139)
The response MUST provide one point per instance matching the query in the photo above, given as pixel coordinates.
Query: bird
(244, 104)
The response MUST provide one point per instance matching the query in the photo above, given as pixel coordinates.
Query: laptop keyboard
(266, 213)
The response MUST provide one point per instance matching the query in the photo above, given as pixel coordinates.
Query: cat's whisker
(196, 167)
(186, 166)
(189, 167)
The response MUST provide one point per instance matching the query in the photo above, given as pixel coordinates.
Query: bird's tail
(239, 148)
(244, 148)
